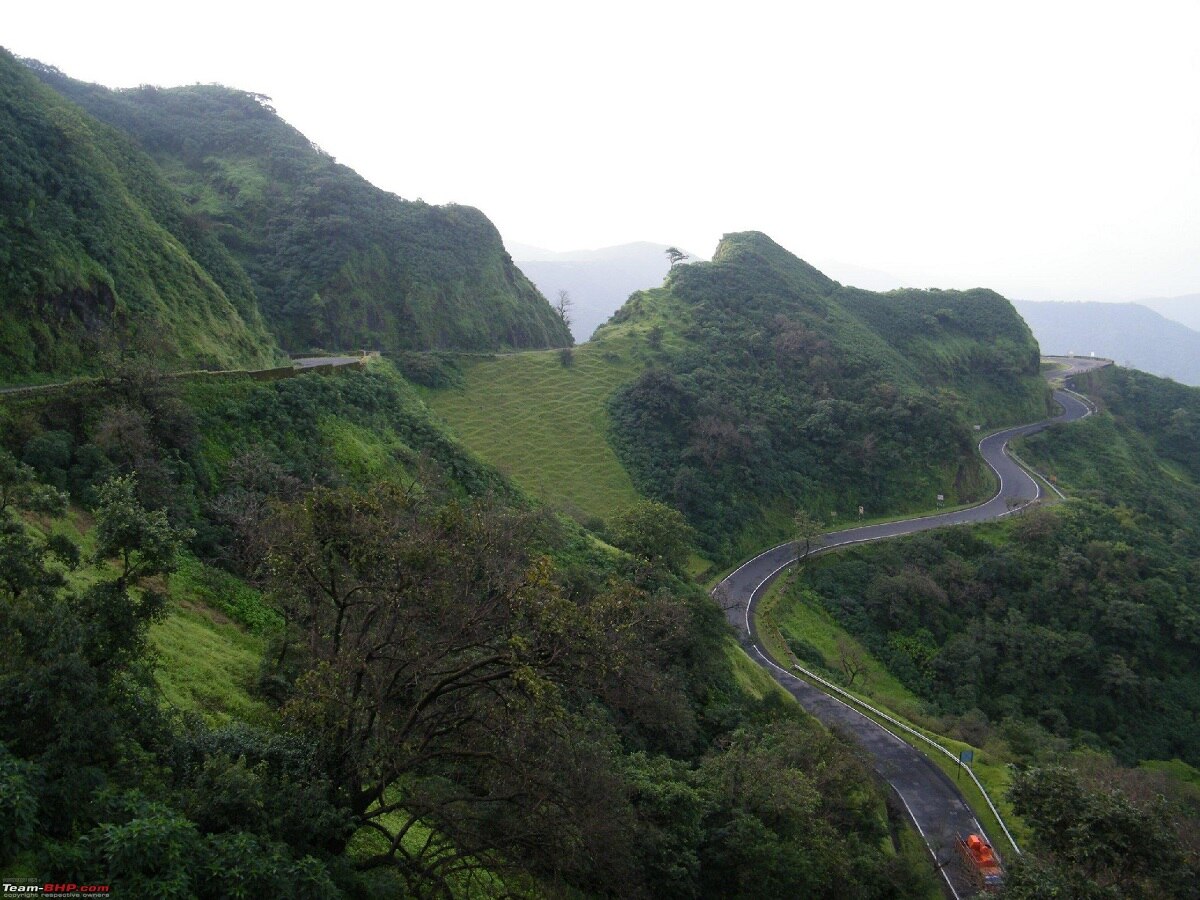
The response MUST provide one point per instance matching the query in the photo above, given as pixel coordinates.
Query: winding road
(935, 805)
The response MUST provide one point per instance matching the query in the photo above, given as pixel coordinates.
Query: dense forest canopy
(459, 691)
(1080, 619)
(783, 389)
(96, 248)
(335, 261)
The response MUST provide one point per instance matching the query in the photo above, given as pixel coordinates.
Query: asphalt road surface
(931, 798)
(308, 362)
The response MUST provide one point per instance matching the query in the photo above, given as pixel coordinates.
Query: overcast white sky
(1050, 150)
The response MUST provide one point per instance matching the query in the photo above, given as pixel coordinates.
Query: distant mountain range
(1159, 336)
(1185, 309)
(1130, 333)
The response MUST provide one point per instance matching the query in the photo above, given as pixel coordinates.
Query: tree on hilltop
(563, 307)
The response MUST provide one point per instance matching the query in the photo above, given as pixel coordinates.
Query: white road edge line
(921, 831)
(1006, 435)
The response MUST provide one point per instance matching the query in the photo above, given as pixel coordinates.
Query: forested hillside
(776, 388)
(97, 250)
(1068, 634)
(335, 261)
(452, 691)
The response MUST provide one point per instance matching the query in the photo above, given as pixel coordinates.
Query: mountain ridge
(334, 260)
(1130, 333)
(751, 385)
(97, 249)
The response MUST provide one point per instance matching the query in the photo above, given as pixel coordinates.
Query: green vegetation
(545, 425)
(210, 642)
(748, 388)
(807, 632)
(802, 630)
(1143, 455)
(448, 688)
(1105, 832)
(335, 261)
(752, 678)
(97, 250)
(208, 665)
(1074, 621)
(655, 533)
(784, 390)
(291, 638)
(1066, 627)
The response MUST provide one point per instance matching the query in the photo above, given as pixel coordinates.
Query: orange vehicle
(981, 862)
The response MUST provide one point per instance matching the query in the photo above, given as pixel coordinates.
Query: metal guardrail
(1032, 471)
(829, 685)
(835, 689)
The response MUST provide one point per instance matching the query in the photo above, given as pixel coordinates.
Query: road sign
(964, 757)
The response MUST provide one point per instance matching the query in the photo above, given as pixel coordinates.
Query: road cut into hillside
(931, 798)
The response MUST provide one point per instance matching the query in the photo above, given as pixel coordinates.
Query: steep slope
(1129, 333)
(1076, 624)
(750, 386)
(580, 722)
(790, 391)
(96, 247)
(335, 261)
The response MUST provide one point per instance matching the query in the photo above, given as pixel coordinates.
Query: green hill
(752, 385)
(379, 671)
(335, 261)
(96, 248)
(789, 391)
(1078, 624)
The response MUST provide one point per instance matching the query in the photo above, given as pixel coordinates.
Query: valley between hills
(468, 610)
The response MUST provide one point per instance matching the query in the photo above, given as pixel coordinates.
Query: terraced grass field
(545, 424)
(542, 418)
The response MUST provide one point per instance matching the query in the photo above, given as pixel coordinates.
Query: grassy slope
(363, 425)
(210, 640)
(545, 424)
(207, 663)
(548, 426)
